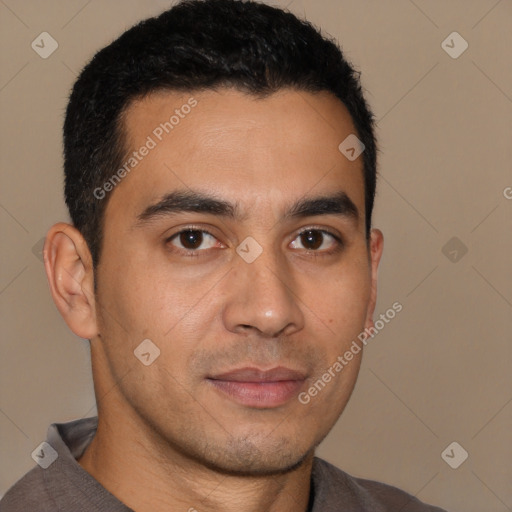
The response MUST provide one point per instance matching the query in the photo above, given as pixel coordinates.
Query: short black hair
(197, 45)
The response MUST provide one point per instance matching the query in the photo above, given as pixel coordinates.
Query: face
(237, 246)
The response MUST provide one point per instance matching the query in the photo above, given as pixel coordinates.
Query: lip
(252, 374)
(261, 389)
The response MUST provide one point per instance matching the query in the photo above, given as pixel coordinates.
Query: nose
(261, 298)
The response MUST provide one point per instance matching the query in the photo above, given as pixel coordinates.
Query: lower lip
(261, 395)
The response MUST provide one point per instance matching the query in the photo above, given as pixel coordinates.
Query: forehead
(238, 146)
(227, 113)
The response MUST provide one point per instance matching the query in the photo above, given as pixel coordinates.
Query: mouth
(260, 389)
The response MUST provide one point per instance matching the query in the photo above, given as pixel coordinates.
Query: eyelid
(339, 241)
(334, 233)
(191, 253)
(184, 229)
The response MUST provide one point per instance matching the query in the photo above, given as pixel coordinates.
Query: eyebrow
(187, 201)
(337, 204)
(191, 201)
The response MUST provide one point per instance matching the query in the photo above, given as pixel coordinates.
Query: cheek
(341, 301)
(144, 299)
(144, 293)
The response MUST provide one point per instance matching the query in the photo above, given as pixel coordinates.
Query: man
(220, 170)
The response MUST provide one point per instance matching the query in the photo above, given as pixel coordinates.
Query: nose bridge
(262, 296)
(270, 279)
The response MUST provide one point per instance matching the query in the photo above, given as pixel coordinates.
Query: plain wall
(440, 370)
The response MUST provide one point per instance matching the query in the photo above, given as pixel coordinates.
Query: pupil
(312, 239)
(191, 239)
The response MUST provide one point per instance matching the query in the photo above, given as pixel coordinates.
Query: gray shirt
(65, 487)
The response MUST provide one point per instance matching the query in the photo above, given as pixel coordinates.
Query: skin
(167, 439)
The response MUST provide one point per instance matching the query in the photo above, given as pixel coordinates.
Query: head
(214, 215)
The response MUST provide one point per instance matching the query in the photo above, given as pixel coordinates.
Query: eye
(193, 240)
(316, 240)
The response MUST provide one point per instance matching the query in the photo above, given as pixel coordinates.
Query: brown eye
(191, 239)
(312, 239)
(317, 240)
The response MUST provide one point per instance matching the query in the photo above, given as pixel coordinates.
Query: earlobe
(68, 265)
(376, 248)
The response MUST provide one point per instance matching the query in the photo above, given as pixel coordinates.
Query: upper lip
(251, 374)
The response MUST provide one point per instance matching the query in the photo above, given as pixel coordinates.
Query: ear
(69, 269)
(376, 247)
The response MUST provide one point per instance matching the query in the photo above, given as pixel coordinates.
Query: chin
(245, 458)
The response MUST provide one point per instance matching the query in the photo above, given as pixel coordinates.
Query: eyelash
(188, 253)
(340, 243)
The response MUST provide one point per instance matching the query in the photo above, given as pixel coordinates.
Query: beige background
(440, 371)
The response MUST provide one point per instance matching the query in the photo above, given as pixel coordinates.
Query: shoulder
(28, 494)
(336, 485)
